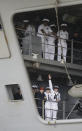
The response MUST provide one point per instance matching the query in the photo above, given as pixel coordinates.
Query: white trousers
(51, 109)
(25, 45)
(47, 114)
(54, 110)
(48, 48)
(47, 111)
(62, 51)
(54, 114)
(50, 114)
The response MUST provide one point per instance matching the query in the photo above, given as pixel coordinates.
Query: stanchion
(43, 109)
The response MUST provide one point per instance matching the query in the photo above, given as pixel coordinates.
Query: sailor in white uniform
(55, 97)
(51, 42)
(27, 39)
(44, 32)
(47, 104)
(62, 42)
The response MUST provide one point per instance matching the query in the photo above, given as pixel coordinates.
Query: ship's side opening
(14, 92)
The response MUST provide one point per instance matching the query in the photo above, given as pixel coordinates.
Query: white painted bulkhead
(22, 115)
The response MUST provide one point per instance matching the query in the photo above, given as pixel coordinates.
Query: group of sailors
(47, 101)
(48, 35)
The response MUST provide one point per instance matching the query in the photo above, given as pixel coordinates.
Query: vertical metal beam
(43, 109)
(64, 109)
(30, 43)
(72, 51)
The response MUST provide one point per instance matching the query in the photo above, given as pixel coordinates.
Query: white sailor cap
(52, 25)
(64, 25)
(46, 20)
(47, 88)
(56, 87)
(34, 86)
(25, 21)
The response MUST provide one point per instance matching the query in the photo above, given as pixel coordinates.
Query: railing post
(43, 109)
(64, 109)
(72, 51)
(30, 43)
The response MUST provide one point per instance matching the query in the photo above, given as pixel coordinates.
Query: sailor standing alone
(62, 42)
(27, 39)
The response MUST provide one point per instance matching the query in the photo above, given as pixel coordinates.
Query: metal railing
(42, 109)
(63, 112)
(32, 45)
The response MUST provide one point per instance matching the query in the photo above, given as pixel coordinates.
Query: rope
(68, 75)
(72, 109)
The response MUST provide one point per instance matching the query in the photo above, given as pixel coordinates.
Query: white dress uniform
(62, 44)
(27, 40)
(55, 97)
(47, 42)
(47, 106)
(51, 47)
